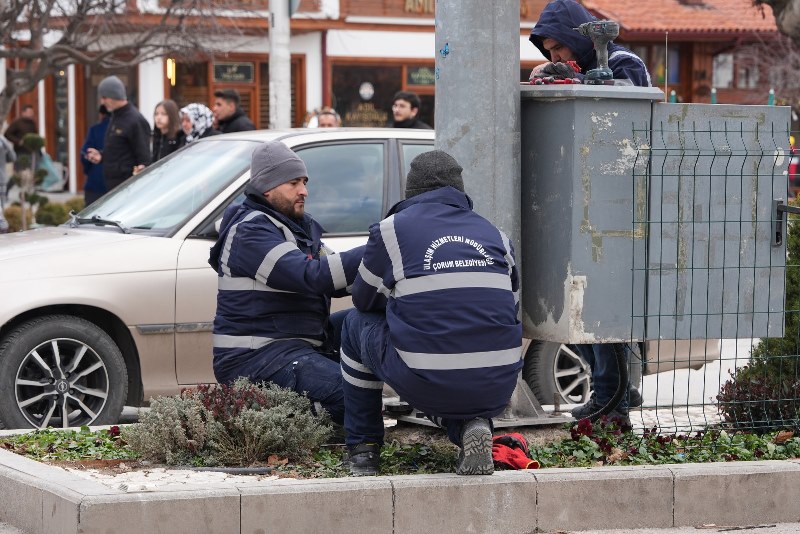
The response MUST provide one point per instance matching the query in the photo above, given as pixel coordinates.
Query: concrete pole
(478, 103)
(280, 72)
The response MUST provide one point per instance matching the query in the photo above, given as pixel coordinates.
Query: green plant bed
(414, 450)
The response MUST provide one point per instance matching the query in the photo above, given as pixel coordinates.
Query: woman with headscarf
(167, 134)
(197, 122)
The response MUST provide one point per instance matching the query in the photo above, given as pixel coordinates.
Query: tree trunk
(787, 16)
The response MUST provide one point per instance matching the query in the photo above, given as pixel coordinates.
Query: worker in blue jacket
(556, 38)
(437, 319)
(276, 279)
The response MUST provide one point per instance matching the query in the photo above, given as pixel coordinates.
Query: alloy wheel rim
(61, 382)
(573, 377)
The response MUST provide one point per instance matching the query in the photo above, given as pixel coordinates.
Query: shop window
(191, 84)
(722, 74)
(746, 75)
(362, 95)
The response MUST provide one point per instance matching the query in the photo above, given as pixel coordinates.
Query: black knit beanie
(432, 170)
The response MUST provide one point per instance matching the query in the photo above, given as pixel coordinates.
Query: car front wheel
(60, 371)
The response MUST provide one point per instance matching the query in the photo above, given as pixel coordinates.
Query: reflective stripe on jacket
(447, 280)
(275, 283)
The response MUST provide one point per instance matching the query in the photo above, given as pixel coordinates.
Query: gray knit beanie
(112, 87)
(274, 164)
(432, 170)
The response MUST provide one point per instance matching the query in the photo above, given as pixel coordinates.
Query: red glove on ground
(511, 451)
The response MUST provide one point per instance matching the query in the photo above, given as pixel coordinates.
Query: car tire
(555, 371)
(56, 364)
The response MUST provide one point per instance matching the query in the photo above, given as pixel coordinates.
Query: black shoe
(364, 459)
(585, 410)
(475, 457)
(634, 398)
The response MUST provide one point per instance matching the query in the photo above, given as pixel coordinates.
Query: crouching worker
(437, 319)
(276, 279)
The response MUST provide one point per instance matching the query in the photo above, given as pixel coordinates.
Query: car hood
(62, 251)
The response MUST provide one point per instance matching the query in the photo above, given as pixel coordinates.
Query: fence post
(771, 98)
(673, 97)
(713, 95)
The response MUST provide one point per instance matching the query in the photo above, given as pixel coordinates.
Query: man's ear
(414, 112)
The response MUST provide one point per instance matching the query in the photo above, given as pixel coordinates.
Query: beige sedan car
(116, 306)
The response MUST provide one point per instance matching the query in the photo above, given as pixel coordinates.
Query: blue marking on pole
(446, 50)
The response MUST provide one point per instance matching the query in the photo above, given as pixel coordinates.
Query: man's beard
(287, 207)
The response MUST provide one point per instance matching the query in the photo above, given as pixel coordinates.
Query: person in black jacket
(167, 133)
(405, 108)
(126, 146)
(230, 117)
(19, 127)
(197, 122)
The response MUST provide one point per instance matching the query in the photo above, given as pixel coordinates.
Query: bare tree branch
(40, 37)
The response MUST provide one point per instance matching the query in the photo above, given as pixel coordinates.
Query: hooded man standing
(276, 280)
(556, 38)
(437, 298)
(126, 145)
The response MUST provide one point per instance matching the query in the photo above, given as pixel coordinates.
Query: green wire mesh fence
(721, 275)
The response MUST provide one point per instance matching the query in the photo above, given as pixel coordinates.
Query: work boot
(364, 459)
(585, 410)
(475, 457)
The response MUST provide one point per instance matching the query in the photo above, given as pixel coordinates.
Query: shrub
(239, 424)
(52, 214)
(13, 215)
(765, 394)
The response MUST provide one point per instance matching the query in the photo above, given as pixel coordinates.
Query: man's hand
(137, 169)
(94, 155)
(559, 71)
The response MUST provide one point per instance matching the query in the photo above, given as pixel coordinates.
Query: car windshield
(172, 190)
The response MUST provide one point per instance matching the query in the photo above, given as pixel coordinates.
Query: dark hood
(557, 21)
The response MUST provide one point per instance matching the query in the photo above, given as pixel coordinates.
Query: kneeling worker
(276, 279)
(437, 319)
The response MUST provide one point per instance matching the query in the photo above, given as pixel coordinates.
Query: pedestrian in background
(230, 117)
(126, 146)
(95, 186)
(405, 108)
(328, 118)
(197, 122)
(167, 133)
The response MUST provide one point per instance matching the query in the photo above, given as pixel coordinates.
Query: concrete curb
(40, 498)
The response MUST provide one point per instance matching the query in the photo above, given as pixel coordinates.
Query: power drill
(601, 32)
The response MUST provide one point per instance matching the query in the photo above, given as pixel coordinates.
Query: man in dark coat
(555, 37)
(126, 146)
(230, 117)
(276, 280)
(405, 108)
